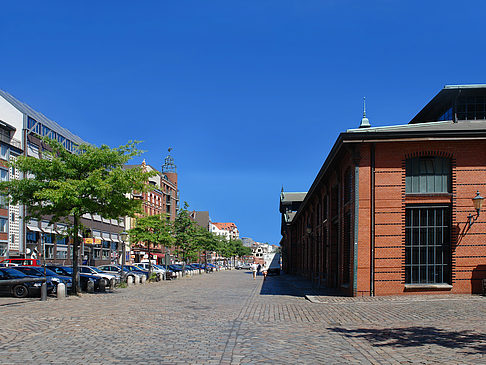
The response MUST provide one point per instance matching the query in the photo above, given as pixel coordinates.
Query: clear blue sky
(250, 94)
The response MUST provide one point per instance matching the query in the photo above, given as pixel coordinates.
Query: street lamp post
(123, 237)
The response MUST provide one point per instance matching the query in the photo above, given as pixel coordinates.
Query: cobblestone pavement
(229, 318)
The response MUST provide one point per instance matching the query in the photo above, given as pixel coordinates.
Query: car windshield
(14, 273)
(96, 269)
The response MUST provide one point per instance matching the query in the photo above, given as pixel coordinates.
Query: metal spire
(365, 123)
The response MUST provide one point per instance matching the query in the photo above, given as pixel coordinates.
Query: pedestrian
(254, 270)
(264, 272)
(259, 268)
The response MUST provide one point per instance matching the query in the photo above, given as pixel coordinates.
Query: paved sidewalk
(228, 318)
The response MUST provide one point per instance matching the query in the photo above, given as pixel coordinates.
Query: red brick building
(390, 211)
(163, 198)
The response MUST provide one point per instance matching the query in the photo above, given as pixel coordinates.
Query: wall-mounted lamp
(478, 203)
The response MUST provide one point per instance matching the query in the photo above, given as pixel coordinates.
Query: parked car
(169, 274)
(156, 269)
(55, 278)
(83, 278)
(110, 277)
(21, 289)
(110, 269)
(21, 262)
(133, 268)
(243, 266)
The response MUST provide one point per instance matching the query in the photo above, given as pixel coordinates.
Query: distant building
(247, 241)
(228, 230)
(163, 198)
(201, 218)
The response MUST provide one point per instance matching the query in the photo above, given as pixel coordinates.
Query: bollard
(102, 285)
(137, 280)
(90, 286)
(130, 281)
(61, 291)
(143, 279)
(112, 284)
(44, 291)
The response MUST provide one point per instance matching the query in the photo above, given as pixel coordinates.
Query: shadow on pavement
(286, 284)
(418, 336)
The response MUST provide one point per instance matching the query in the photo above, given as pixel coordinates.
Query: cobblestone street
(228, 318)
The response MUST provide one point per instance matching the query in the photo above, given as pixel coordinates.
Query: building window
(48, 251)
(3, 202)
(3, 249)
(3, 225)
(31, 237)
(61, 252)
(471, 107)
(427, 175)
(427, 245)
(348, 186)
(3, 175)
(3, 152)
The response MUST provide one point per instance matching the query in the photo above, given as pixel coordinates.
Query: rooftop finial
(169, 165)
(365, 123)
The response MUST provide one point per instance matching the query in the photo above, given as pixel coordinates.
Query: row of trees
(189, 240)
(64, 186)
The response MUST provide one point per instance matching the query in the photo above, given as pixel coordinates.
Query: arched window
(428, 175)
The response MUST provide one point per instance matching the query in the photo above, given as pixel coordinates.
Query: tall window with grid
(427, 245)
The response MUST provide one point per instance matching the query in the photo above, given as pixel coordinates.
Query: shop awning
(160, 255)
(33, 228)
(115, 240)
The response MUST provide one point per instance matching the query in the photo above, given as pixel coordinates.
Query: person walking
(254, 270)
(259, 268)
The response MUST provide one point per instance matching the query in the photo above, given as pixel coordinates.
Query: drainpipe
(356, 227)
(372, 222)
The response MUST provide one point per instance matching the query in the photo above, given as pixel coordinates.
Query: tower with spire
(169, 168)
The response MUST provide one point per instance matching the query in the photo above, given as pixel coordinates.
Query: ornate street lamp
(478, 203)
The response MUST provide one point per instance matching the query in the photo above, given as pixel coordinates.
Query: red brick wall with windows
(468, 250)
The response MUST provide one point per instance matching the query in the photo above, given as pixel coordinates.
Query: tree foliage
(65, 184)
(152, 229)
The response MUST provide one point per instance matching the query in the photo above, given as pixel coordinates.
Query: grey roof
(292, 197)
(430, 127)
(39, 117)
(201, 218)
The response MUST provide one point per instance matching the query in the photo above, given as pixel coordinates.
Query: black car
(21, 289)
(83, 278)
(38, 271)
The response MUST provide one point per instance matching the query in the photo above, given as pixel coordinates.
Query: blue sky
(250, 94)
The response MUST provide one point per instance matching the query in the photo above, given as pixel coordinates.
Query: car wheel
(20, 291)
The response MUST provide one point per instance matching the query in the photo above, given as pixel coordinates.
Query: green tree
(185, 233)
(152, 229)
(65, 184)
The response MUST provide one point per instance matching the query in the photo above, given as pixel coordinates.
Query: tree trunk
(76, 283)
